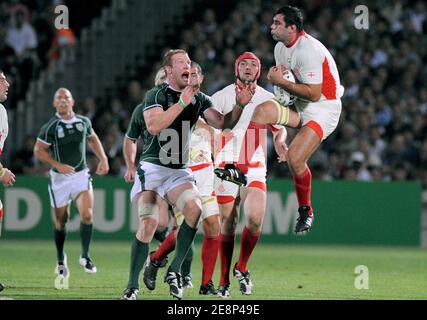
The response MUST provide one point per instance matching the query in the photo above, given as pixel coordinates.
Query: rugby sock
(184, 240)
(302, 185)
(226, 247)
(167, 246)
(209, 256)
(160, 235)
(86, 231)
(139, 253)
(253, 138)
(60, 236)
(186, 265)
(247, 245)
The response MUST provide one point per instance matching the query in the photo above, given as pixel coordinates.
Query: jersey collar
(72, 120)
(302, 33)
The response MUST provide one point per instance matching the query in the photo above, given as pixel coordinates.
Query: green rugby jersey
(67, 139)
(171, 146)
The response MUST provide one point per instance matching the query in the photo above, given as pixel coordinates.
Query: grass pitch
(279, 272)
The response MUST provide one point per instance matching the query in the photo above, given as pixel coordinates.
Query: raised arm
(220, 121)
(157, 119)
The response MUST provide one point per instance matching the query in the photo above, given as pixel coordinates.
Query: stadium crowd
(382, 135)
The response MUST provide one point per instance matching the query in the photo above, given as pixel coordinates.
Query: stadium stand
(382, 135)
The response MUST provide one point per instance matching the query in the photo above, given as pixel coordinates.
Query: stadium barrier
(359, 213)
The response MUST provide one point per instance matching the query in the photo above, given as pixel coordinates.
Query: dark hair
(292, 15)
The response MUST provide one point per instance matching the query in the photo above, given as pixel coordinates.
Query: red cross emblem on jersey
(311, 74)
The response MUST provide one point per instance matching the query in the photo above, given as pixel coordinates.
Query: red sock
(209, 256)
(247, 245)
(167, 246)
(226, 247)
(255, 136)
(302, 185)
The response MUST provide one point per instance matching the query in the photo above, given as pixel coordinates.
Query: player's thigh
(84, 201)
(303, 145)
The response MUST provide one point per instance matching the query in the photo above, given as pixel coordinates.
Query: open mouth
(185, 75)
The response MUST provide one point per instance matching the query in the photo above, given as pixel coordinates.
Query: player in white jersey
(6, 176)
(252, 193)
(318, 91)
(200, 163)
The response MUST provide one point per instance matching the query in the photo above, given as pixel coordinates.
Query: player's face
(280, 32)
(179, 72)
(248, 69)
(4, 87)
(196, 78)
(63, 102)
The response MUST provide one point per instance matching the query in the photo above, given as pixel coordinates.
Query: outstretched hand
(245, 93)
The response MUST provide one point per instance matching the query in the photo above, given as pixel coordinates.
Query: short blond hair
(167, 58)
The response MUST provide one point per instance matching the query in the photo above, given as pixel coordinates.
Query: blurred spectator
(21, 35)
(62, 38)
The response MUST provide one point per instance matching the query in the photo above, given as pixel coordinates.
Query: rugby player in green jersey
(165, 121)
(62, 145)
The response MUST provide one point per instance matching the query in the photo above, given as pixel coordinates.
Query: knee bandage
(282, 113)
(188, 195)
(148, 210)
(209, 207)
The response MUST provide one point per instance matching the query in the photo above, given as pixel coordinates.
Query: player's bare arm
(311, 92)
(129, 154)
(157, 119)
(279, 139)
(220, 121)
(41, 151)
(96, 146)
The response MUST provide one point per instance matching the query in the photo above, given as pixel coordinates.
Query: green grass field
(278, 272)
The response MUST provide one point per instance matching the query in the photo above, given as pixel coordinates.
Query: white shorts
(204, 180)
(205, 183)
(159, 179)
(65, 188)
(227, 191)
(321, 116)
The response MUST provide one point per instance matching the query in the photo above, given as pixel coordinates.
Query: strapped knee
(186, 196)
(282, 113)
(209, 207)
(148, 210)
